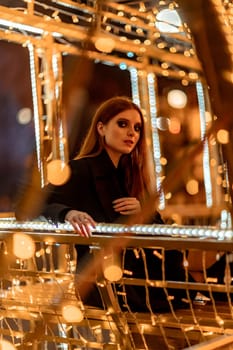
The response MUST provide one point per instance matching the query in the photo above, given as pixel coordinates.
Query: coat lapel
(106, 183)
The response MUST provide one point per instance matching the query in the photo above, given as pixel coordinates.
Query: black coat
(94, 184)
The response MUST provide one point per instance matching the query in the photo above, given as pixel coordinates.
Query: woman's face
(121, 133)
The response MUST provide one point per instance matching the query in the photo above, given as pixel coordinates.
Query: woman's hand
(81, 222)
(127, 205)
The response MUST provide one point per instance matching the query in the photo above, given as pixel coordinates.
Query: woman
(110, 180)
(110, 176)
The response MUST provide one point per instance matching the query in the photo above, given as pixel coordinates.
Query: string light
(155, 137)
(23, 27)
(153, 230)
(23, 246)
(223, 136)
(134, 85)
(72, 313)
(36, 109)
(112, 267)
(141, 229)
(206, 156)
(136, 24)
(104, 44)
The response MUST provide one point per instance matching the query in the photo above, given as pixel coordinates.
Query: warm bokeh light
(113, 273)
(177, 98)
(105, 44)
(163, 161)
(176, 218)
(174, 125)
(213, 162)
(58, 172)
(168, 195)
(223, 136)
(208, 117)
(24, 116)
(192, 187)
(72, 313)
(6, 345)
(168, 21)
(23, 246)
(111, 268)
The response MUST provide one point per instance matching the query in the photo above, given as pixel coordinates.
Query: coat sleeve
(61, 199)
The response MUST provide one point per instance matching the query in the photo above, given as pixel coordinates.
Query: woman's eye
(121, 123)
(137, 128)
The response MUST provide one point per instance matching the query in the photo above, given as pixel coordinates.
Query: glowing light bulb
(23, 246)
(72, 313)
(58, 172)
(177, 98)
(6, 345)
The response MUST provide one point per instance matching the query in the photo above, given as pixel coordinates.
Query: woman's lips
(129, 142)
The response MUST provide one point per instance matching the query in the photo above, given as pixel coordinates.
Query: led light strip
(155, 138)
(36, 108)
(153, 230)
(206, 156)
(134, 85)
(20, 26)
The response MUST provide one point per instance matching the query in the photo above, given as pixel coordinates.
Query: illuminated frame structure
(51, 30)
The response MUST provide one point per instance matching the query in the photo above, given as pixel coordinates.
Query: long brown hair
(135, 164)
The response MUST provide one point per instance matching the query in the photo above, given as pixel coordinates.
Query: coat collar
(103, 164)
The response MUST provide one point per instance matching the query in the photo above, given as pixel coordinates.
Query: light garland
(112, 229)
(36, 109)
(111, 266)
(134, 85)
(206, 156)
(155, 138)
(118, 22)
(72, 313)
(23, 246)
(9, 225)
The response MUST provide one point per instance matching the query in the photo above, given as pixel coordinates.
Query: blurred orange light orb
(6, 345)
(72, 313)
(58, 172)
(23, 246)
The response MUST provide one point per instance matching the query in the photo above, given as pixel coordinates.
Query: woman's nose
(131, 131)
